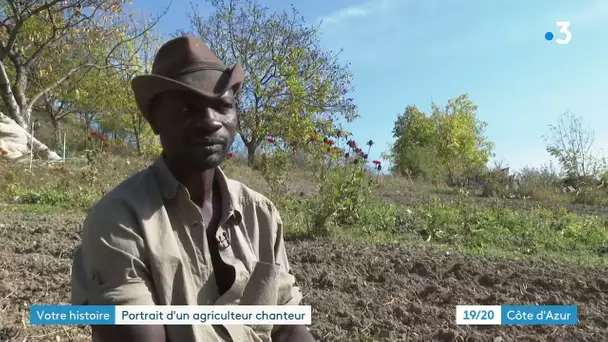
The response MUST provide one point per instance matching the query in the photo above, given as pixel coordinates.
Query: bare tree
(572, 145)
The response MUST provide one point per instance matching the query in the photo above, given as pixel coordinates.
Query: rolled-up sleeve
(113, 259)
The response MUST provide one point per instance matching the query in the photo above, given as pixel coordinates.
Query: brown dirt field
(358, 293)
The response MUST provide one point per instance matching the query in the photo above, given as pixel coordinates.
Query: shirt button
(223, 238)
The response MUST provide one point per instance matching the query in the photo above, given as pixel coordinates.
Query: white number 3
(564, 25)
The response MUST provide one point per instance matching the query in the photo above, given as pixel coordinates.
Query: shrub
(425, 163)
(590, 196)
(344, 184)
(275, 169)
(544, 177)
(343, 180)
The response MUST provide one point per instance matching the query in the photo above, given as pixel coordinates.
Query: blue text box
(72, 315)
(539, 314)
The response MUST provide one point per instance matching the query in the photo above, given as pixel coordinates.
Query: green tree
(461, 143)
(449, 142)
(48, 43)
(122, 115)
(414, 152)
(293, 87)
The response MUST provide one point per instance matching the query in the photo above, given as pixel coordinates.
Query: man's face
(195, 132)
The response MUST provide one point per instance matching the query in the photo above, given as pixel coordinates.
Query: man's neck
(200, 185)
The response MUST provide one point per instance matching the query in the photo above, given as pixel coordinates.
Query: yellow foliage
(151, 148)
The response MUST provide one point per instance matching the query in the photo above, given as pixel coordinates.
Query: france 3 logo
(564, 29)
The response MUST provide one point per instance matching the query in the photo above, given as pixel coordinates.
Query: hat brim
(145, 87)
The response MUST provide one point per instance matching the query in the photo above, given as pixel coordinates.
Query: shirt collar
(169, 187)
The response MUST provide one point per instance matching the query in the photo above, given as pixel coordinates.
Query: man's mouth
(206, 142)
(206, 147)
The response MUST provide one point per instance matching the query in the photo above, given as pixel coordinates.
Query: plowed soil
(358, 293)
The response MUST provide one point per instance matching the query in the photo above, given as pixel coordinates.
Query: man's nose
(208, 120)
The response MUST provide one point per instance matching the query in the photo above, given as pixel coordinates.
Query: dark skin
(196, 134)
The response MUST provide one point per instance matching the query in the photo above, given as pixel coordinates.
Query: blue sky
(406, 52)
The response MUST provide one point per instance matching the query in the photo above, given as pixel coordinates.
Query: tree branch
(139, 35)
(13, 30)
(58, 82)
(8, 97)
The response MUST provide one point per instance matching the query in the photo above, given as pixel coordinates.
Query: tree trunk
(251, 147)
(8, 97)
(56, 133)
(138, 144)
(26, 116)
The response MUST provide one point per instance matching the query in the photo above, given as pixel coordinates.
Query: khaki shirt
(144, 243)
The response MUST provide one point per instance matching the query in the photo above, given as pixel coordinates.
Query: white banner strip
(213, 315)
(478, 314)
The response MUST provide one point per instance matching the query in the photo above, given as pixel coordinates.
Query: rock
(15, 142)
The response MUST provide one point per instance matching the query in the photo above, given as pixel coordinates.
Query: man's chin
(203, 163)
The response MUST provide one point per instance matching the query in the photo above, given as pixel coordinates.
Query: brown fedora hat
(185, 64)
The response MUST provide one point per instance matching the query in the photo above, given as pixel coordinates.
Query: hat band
(201, 79)
(193, 67)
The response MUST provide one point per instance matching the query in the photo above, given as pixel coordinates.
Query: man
(180, 232)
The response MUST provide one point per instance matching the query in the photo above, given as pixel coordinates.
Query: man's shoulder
(124, 200)
(246, 196)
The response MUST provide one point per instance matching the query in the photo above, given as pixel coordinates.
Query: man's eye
(220, 107)
(225, 106)
(224, 109)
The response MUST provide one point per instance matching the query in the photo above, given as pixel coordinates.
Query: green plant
(377, 215)
(275, 169)
(535, 231)
(590, 196)
(54, 195)
(344, 184)
(448, 142)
